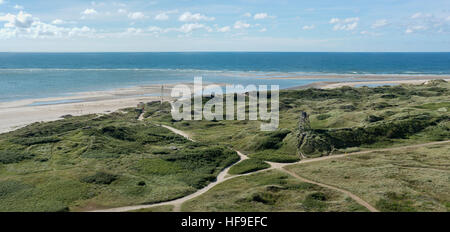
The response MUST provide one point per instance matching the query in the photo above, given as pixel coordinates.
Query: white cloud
(334, 20)
(18, 7)
(224, 29)
(261, 16)
(154, 29)
(58, 22)
(380, 23)
(248, 15)
(2, 1)
(188, 28)
(122, 11)
(413, 29)
(308, 27)
(348, 24)
(26, 26)
(133, 31)
(263, 29)
(21, 20)
(89, 12)
(241, 25)
(162, 16)
(136, 15)
(189, 17)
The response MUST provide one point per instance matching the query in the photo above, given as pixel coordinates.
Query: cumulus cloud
(154, 29)
(162, 16)
(224, 29)
(308, 27)
(248, 15)
(58, 22)
(188, 28)
(348, 24)
(2, 1)
(421, 22)
(261, 16)
(241, 25)
(24, 25)
(380, 23)
(18, 7)
(21, 20)
(133, 31)
(122, 11)
(189, 17)
(136, 15)
(89, 12)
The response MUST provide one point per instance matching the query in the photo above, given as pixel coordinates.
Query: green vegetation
(91, 162)
(341, 119)
(400, 180)
(270, 191)
(247, 166)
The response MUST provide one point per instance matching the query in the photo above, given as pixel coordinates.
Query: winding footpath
(223, 176)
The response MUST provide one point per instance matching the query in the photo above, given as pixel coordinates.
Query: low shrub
(100, 178)
(274, 156)
(9, 157)
(247, 166)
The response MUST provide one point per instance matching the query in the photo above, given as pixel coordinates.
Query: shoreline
(20, 113)
(17, 114)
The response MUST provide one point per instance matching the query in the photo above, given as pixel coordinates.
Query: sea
(41, 75)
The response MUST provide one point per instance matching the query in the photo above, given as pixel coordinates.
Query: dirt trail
(223, 176)
(351, 195)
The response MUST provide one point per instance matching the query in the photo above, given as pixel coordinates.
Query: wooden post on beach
(162, 97)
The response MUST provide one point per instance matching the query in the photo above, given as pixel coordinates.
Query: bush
(315, 201)
(373, 118)
(271, 140)
(274, 156)
(9, 157)
(323, 117)
(247, 166)
(265, 198)
(35, 140)
(100, 178)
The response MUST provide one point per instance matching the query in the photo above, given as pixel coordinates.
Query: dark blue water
(34, 75)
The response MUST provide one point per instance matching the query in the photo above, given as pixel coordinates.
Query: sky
(232, 25)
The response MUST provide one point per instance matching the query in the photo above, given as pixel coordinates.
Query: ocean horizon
(41, 75)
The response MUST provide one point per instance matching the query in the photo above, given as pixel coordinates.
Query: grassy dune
(400, 180)
(342, 120)
(270, 191)
(92, 162)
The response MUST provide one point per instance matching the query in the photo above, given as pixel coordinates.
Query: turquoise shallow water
(37, 75)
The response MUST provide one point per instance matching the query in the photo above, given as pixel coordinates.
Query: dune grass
(91, 162)
(247, 166)
(345, 118)
(270, 191)
(395, 181)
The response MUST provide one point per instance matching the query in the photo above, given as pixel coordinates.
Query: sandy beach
(16, 114)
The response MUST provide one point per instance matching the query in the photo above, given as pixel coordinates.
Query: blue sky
(233, 25)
